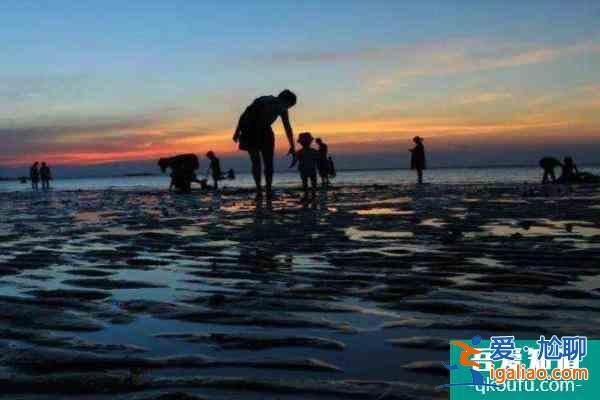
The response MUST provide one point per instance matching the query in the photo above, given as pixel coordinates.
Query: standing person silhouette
(307, 159)
(34, 175)
(215, 168)
(46, 176)
(417, 159)
(255, 135)
(323, 165)
(570, 173)
(331, 167)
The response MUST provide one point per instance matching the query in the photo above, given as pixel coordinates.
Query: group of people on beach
(309, 161)
(39, 173)
(183, 171)
(569, 172)
(254, 135)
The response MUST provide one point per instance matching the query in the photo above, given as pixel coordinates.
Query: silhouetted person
(548, 164)
(231, 174)
(569, 171)
(331, 167)
(323, 165)
(34, 175)
(46, 176)
(214, 168)
(307, 159)
(183, 171)
(255, 135)
(417, 159)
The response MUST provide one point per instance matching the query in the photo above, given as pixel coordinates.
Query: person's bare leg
(269, 182)
(268, 161)
(256, 171)
(420, 176)
(305, 189)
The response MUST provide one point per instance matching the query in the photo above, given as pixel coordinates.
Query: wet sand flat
(143, 294)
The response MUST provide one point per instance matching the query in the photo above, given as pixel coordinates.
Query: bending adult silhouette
(255, 135)
(183, 170)
(548, 164)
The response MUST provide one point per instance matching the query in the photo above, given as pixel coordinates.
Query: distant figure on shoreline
(323, 165)
(307, 159)
(34, 175)
(331, 166)
(183, 171)
(45, 175)
(569, 174)
(214, 168)
(255, 135)
(548, 164)
(417, 158)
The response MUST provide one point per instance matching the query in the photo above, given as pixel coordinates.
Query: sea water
(286, 179)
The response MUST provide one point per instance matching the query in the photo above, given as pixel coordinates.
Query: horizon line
(481, 166)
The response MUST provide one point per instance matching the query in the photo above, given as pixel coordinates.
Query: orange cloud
(158, 141)
(463, 56)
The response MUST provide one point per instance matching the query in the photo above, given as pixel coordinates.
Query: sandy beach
(143, 294)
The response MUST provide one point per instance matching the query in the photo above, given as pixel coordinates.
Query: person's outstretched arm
(285, 118)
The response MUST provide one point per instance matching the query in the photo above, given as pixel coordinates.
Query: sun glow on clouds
(458, 88)
(182, 136)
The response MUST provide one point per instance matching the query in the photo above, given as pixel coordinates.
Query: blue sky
(156, 77)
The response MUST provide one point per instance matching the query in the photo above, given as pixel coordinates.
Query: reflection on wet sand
(127, 290)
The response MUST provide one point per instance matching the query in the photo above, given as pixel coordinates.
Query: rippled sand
(149, 295)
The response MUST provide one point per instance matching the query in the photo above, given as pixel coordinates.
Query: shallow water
(455, 176)
(339, 281)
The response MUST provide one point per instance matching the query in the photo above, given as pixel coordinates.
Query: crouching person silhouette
(548, 164)
(183, 171)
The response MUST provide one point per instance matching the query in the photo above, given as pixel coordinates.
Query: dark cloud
(94, 133)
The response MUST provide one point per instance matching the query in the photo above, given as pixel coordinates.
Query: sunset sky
(85, 82)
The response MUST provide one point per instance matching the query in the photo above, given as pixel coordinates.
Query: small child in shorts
(307, 159)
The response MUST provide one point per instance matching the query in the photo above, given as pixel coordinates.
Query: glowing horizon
(369, 77)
